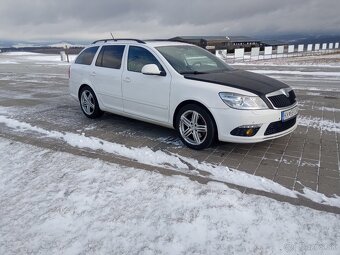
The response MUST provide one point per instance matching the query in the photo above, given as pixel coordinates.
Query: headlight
(243, 102)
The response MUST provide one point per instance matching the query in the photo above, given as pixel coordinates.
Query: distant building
(213, 43)
(244, 41)
(273, 43)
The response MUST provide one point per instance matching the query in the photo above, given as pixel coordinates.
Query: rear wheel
(196, 127)
(89, 103)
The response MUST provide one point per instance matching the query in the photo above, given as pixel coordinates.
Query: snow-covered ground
(58, 203)
(36, 58)
(173, 161)
(335, 75)
(319, 123)
(323, 60)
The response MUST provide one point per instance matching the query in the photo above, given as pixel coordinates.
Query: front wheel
(89, 103)
(196, 127)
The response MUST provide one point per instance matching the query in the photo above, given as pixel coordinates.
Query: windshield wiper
(192, 72)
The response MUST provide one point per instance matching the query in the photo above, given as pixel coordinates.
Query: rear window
(86, 57)
(110, 56)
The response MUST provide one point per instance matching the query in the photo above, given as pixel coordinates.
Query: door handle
(127, 79)
(93, 73)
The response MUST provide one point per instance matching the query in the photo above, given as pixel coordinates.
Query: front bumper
(229, 119)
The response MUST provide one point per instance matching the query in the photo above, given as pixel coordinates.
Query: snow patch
(20, 53)
(170, 140)
(5, 62)
(58, 203)
(240, 178)
(143, 155)
(304, 163)
(313, 94)
(319, 108)
(38, 58)
(159, 158)
(320, 198)
(315, 88)
(63, 44)
(326, 74)
(285, 64)
(321, 124)
(329, 109)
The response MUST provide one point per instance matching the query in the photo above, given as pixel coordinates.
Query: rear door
(106, 76)
(145, 95)
(81, 69)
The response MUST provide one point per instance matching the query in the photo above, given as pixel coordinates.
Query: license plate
(286, 115)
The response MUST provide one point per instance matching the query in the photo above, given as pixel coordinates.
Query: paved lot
(309, 157)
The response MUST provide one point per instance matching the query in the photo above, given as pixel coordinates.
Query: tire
(89, 103)
(196, 127)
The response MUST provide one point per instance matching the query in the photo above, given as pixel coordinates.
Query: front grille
(280, 101)
(279, 126)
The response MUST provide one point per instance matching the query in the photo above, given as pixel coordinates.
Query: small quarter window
(139, 57)
(86, 57)
(110, 56)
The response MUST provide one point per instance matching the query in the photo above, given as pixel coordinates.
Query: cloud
(88, 20)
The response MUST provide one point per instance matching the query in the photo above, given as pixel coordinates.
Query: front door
(145, 95)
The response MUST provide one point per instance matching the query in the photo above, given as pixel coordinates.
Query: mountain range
(288, 38)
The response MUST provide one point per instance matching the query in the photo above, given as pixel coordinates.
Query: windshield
(187, 59)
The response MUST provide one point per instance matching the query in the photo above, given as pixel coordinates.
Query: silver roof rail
(119, 39)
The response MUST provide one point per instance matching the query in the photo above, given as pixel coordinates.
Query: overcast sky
(88, 20)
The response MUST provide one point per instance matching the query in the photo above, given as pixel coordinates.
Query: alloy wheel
(87, 102)
(193, 127)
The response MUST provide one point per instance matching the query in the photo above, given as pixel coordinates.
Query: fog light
(250, 132)
(246, 130)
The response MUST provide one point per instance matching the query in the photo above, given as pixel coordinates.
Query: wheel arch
(81, 87)
(97, 110)
(187, 102)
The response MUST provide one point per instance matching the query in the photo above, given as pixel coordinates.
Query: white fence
(239, 53)
(280, 51)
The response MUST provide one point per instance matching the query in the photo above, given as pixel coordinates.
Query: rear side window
(86, 57)
(139, 57)
(110, 56)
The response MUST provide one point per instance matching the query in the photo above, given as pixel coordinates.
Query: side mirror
(151, 69)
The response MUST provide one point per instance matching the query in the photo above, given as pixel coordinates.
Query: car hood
(252, 82)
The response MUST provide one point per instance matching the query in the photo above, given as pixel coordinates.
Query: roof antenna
(112, 36)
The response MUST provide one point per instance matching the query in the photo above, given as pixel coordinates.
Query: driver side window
(139, 57)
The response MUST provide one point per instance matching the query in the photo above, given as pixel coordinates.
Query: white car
(181, 86)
